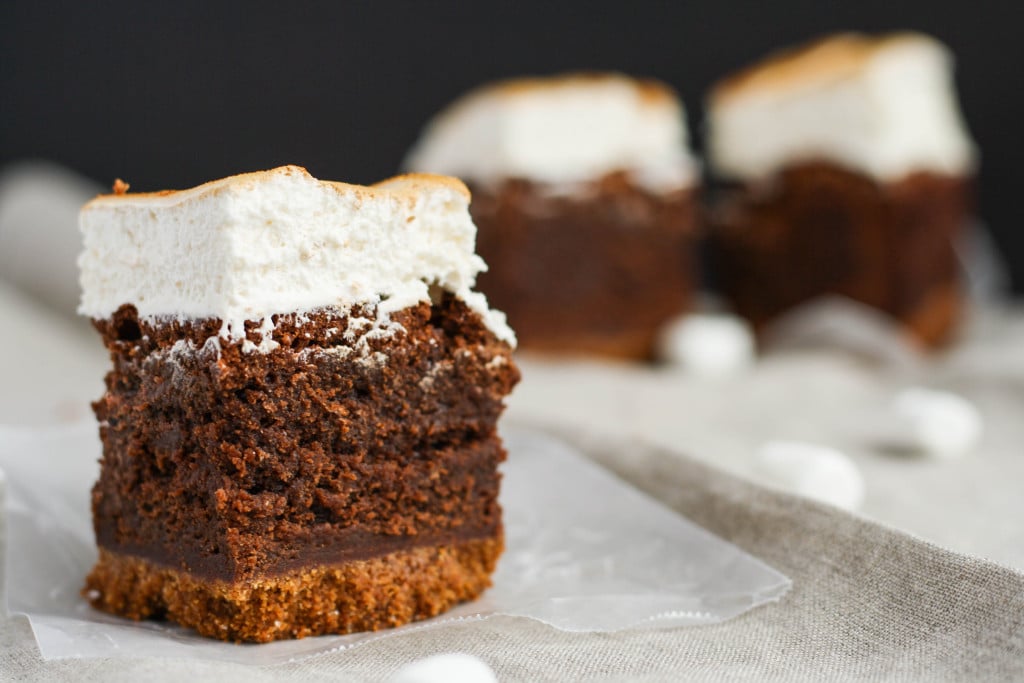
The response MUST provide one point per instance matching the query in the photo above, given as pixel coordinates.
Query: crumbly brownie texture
(343, 470)
(596, 271)
(818, 229)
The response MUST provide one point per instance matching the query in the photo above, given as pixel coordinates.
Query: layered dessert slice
(584, 195)
(299, 426)
(848, 172)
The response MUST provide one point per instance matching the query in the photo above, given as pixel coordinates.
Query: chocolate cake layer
(236, 467)
(596, 271)
(818, 229)
(363, 595)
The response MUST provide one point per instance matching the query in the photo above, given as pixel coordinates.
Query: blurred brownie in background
(847, 170)
(584, 194)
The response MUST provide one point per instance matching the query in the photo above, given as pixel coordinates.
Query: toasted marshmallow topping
(883, 106)
(280, 241)
(562, 130)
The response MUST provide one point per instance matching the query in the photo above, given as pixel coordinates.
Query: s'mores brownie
(299, 426)
(584, 192)
(849, 171)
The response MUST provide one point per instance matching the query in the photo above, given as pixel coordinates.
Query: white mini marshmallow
(929, 422)
(447, 668)
(818, 472)
(707, 344)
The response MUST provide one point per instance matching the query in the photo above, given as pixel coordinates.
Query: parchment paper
(586, 552)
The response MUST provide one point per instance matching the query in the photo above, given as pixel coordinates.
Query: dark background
(174, 94)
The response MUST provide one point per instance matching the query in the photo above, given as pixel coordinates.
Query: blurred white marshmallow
(930, 422)
(447, 668)
(39, 238)
(818, 472)
(707, 344)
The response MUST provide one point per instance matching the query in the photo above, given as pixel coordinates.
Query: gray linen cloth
(868, 603)
(972, 504)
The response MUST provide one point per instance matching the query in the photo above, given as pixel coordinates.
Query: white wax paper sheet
(585, 552)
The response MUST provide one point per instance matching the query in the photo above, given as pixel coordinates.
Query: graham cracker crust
(365, 595)
(935, 320)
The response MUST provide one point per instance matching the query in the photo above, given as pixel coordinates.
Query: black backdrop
(175, 93)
